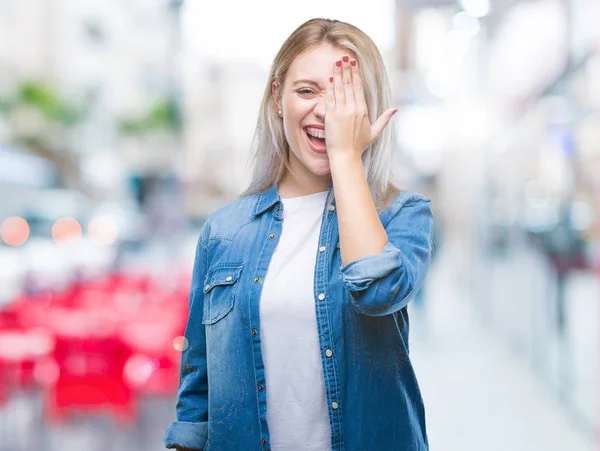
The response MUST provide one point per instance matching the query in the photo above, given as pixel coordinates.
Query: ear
(275, 91)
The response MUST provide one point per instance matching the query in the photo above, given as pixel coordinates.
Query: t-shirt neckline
(306, 200)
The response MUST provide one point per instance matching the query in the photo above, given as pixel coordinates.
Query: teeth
(316, 132)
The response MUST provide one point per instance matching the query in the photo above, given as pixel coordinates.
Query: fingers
(338, 85)
(359, 94)
(347, 85)
(380, 123)
(345, 92)
(347, 81)
(330, 95)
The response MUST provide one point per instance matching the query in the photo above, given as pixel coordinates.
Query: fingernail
(338, 63)
(353, 62)
(331, 79)
(345, 58)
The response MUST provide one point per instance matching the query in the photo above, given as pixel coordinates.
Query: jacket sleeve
(190, 430)
(384, 283)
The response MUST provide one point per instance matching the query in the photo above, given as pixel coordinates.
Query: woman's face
(302, 102)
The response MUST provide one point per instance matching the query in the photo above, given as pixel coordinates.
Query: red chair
(90, 374)
(154, 367)
(20, 351)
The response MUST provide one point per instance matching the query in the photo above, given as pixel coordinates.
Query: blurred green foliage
(59, 114)
(44, 98)
(47, 101)
(163, 116)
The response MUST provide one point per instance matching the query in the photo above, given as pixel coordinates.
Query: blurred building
(221, 108)
(502, 107)
(117, 58)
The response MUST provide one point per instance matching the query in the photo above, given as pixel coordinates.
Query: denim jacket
(361, 308)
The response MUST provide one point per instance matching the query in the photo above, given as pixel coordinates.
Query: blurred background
(125, 123)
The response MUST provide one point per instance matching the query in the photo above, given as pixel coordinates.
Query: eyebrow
(305, 81)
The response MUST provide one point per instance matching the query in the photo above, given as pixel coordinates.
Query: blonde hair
(269, 150)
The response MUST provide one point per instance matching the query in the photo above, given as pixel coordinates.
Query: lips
(316, 143)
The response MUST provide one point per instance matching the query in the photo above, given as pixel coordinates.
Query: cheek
(296, 110)
(291, 115)
(291, 125)
(290, 128)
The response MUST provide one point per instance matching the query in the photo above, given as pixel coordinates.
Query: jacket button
(271, 237)
(332, 208)
(256, 279)
(322, 249)
(264, 441)
(254, 332)
(329, 353)
(229, 279)
(334, 405)
(261, 387)
(321, 297)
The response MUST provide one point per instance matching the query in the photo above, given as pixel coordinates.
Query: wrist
(345, 162)
(343, 156)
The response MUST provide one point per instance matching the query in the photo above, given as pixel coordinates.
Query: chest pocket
(219, 291)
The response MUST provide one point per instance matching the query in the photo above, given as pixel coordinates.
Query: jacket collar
(266, 199)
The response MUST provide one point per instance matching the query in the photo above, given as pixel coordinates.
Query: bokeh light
(180, 343)
(138, 369)
(102, 231)
(14, 231)
(65, 230)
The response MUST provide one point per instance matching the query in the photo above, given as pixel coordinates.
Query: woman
(298, 327)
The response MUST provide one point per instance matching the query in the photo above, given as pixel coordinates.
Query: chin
(316, 164)
(321, 170)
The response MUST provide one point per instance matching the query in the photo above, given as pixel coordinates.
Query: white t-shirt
(297, 411)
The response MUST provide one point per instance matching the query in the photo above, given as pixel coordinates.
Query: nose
(320, 108)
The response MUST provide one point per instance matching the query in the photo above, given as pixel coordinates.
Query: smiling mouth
(316, 139)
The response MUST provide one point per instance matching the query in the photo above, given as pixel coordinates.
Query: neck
(291, 186)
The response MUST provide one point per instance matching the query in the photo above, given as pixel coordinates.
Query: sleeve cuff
(360, 274)
(187, 435)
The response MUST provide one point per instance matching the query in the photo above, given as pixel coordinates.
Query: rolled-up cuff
(360, 274)
(184, 434)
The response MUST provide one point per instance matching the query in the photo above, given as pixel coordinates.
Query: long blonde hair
(269, 150)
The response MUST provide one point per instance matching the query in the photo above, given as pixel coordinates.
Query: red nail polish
(331, 79)
(338, 63)
(345, 58)
(353, 62)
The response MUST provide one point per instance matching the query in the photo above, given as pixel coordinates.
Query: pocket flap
(222, 275)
